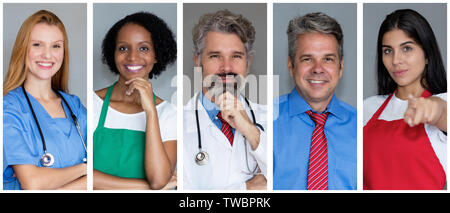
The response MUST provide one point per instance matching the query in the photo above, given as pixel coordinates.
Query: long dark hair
(415, 26)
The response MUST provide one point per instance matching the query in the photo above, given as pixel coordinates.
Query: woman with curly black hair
(135, 139)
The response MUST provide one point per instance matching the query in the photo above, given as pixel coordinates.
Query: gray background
(105, 16)
(345, 15)
(256, 13)
(74, 18)
(374, 14)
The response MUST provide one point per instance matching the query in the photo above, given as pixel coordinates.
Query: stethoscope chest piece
(201, 158)
(47, 159)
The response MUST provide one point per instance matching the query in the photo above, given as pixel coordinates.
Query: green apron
(118, 152)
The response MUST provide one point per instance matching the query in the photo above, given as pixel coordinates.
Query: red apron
(399, 157)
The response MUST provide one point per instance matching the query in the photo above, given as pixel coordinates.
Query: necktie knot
(318, 118)
(219, 116)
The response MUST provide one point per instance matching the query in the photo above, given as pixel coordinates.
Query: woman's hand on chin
(145, 91)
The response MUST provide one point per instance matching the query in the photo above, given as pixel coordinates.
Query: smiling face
(223, 61)
(316, 68)
(134, 54)
(45, 51)
(403, 57)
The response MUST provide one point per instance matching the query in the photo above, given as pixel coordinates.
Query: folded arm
(32, 177)
(104, 181)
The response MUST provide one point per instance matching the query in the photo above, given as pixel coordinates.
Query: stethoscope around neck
(202, 157)
(47, 159)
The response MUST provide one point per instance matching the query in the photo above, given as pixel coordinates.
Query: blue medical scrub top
(22, 142)
(292, 132)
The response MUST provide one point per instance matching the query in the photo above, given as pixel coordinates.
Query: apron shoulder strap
(377, 114)
(101, 120)
(381, 109)
(426, 94)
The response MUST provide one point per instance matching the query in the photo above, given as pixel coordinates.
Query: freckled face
(45, 51)
(134, 54)
(316, 68)
(403, 57)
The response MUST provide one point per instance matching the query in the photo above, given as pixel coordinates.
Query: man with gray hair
(314, 133)
(224, 145)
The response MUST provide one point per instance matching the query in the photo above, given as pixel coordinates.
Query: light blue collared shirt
(212, 109)
(292, 132)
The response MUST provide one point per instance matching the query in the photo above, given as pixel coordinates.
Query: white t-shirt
(395, 110)
(167, 117)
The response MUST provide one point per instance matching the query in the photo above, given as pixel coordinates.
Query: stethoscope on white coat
(47, 159)
(202, 157)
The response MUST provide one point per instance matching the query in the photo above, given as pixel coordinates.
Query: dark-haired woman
(406, 124)
(135, 139)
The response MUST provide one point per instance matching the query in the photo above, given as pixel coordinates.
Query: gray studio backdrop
(105, 16)
(257, 14)
(345, 14)
(374, 14)
(74, 18)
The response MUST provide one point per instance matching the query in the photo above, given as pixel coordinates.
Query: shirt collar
(211, 108)
(298, 105)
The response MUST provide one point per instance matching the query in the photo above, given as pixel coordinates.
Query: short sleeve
(18, 145)
(370, 106)
(168, 122)
(438, 139)
(443, 96)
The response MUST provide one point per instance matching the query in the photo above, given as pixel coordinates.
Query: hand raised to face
(145, 90)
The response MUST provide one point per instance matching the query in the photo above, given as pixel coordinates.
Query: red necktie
(226, 129)
(318, 155)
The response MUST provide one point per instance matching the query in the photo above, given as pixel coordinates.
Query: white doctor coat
(227, 166)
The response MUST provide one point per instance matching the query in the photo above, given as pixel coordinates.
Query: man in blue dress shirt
(315, 63)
